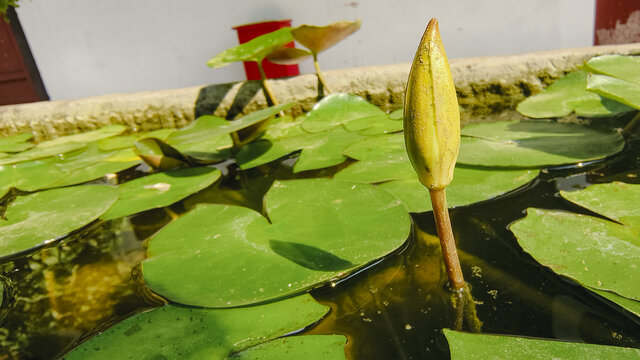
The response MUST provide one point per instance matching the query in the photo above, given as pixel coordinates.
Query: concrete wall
(93, 47)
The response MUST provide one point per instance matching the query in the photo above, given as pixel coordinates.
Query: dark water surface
(394, 309)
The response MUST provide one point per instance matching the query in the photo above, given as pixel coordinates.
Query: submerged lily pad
(35, 220)
(241, 258)
(254, 50)
(591, 250)
(160, 189)
(174, 332)
(481, 346)
(528, 144)
(567, 95)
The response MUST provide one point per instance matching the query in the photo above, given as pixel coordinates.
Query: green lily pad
(63, 144)
(630, 305)
(325, 150)
(114, 162)
(567, 95)
(590, 250)
(625, 92)
(158, 154)
(619, 66)
(128, 141)
(16, 143)
(30, 175)
(319, 150)
(241, 258)
(255, 49)
(528, 144)
(297, 347)
(382, 158)
(468, 186)
(174, 332)
(37, 219)
(338, 109)
(481, 346)
(160, 189)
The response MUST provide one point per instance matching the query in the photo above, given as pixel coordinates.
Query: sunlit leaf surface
(36, 219)
(254, 50)
(160, 189)
(535, 144)
(481, 347)
(174, 332)
(242, 258)
(567, 95)
(593, 251)
(618, 66)
(623, 91)
(16, 143)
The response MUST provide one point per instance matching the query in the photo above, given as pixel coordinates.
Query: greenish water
(394, 309)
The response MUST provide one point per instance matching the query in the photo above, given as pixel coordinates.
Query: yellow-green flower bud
(431, 115)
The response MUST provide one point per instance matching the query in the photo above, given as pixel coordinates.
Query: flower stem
(447, 242)
(319, 74)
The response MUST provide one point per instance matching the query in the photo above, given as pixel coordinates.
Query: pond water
(393, 309)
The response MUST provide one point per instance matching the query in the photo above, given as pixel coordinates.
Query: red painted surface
(20, 81)
(617, 22)
(250, 31)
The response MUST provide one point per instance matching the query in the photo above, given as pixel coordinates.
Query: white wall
(92, 47)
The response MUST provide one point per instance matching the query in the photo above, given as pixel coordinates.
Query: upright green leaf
(320, 38)
(255, 49)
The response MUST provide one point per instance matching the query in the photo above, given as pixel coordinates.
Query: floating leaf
(591, 250)
(37, 219)
(319, 150)
(625, 92)
(481, 346)
(631, 305)
(569, 94)
(159, 154)
(254, 50)
(528, 144)
(63, 144)
(468, 186)
(242, 258)
(288, 56)
(30, 175)
(174, 332)
(16, 143)
(297, 347)
(619, 66)
(114, 162)
(338, 109)
(320, 38)
(128, 141)
(160, 189)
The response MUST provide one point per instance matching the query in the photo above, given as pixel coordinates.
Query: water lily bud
(431, 115)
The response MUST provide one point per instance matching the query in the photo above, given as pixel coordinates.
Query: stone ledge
(485, 86)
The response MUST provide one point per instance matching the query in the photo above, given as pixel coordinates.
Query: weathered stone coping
(486, 86)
